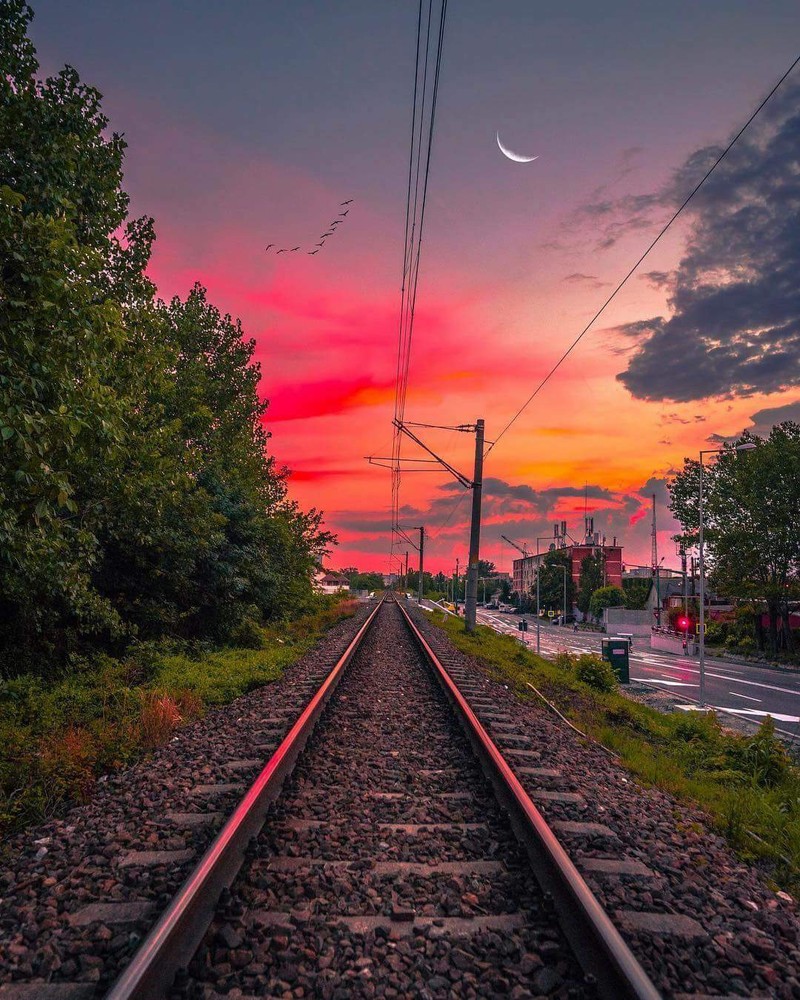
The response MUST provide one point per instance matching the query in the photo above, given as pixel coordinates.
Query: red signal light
(683, 623)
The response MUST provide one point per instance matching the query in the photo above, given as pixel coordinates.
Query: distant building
(332, 583)
(525, 568)
(390, 579)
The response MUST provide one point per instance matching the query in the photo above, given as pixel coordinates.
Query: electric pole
(471, 596)
(654, 559)
(421, 548)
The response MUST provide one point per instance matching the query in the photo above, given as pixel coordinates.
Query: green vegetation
(636, 593)
(57, 736)
(590, 580)
(138, 501)
(606, 597)
(746, 784)
(750, 517)
(551, 582)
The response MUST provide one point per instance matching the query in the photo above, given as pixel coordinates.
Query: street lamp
(541, 538)
(745, 446)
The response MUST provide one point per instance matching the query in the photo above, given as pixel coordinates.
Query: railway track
(387, 865)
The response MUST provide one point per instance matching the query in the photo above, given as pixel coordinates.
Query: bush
(564, 660)
(248, 634)
(597, 673)
(716, 633)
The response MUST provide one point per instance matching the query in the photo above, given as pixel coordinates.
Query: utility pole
(456, 586)
(421, 549)
(405, 580)
(471, 596)
(654, 559)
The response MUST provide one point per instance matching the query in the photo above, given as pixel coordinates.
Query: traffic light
(683, 623)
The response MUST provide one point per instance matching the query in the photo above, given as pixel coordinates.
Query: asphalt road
(738, 689)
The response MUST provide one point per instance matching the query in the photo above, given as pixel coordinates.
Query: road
(739, 689)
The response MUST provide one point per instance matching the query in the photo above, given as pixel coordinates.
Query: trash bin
(616, 651)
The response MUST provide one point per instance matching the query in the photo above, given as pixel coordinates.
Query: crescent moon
(514, 156)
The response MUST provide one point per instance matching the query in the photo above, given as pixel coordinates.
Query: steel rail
(595, 940)
(176, 936)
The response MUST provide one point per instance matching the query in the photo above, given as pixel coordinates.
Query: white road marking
(735, 694)
(656, 680)
(758, 712)
(758, 684)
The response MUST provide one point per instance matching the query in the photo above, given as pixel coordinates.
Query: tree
(636, 593)
(551, 582)
(750, 522)
(606, 597)
(137, 493)
(590, 579)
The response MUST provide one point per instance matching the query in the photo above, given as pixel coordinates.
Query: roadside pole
(421, 549)
(471, 596)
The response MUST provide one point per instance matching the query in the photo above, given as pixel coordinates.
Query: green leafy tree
(137, 493)
(751, 501)
(637, 593)
(606, 597)
(61, 325)
(551, 582)
(590, 579)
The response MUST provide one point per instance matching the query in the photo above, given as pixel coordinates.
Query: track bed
(386, 868)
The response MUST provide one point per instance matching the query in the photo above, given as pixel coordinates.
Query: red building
(525, 568)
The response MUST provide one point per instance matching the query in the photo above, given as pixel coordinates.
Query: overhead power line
(622, 283)
(429, 46)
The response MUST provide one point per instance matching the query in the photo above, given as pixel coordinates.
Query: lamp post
(745, 446)
(541, 538)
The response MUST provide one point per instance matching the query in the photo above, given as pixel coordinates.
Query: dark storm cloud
(657, 279)
(543, 500)
(734, 328)
(762, 422)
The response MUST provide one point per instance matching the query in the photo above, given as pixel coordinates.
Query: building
(331, 583)
(525, 568)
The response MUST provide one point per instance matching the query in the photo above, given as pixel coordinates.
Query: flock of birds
(330, 231)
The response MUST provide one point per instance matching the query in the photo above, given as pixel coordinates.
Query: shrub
(716, 633)
(597, 673)
(564, 660)
(248, 634)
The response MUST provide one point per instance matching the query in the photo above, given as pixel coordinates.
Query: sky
(250, 123)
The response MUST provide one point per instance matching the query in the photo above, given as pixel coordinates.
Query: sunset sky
(248, 123)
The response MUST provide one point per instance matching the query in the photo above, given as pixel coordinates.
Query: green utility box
(617, 652)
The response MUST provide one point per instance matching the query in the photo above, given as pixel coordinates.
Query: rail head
(174, 938)
(595, 940)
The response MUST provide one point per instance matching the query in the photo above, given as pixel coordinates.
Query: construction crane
(520, 548)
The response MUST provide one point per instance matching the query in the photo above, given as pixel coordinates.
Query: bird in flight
(338, 222)
(293, 249)
(326, 234)
(344, 212)
(312, 252)
(270, 245)
(280, 251)
(346, 202)
(322, 244)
